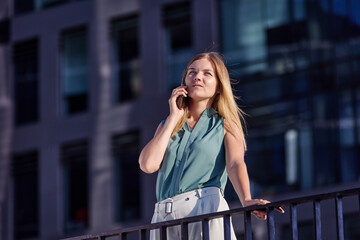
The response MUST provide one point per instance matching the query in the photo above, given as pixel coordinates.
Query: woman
(200, 143)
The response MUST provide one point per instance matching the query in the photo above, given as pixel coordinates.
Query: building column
(100, 179)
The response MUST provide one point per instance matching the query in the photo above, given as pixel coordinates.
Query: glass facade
(74, 159)
(126, 59)
(24, 168)
(126, 184)
(25, 60)
(178, 41)
(296, 63)
(74, 71)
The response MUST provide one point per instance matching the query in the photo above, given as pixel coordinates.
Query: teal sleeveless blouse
(194, 159)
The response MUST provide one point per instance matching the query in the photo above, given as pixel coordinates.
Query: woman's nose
(197, 77)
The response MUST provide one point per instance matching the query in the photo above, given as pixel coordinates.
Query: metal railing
(143, 231)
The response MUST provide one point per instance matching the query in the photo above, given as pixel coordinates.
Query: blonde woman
(196, 148)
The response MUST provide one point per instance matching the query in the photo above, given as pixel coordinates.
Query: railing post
(339, 218)
(142, 234)
(163, 233)
(317, 219)
(227, 227)
(247, 225)
(205, 229)
(270, 223)
(293, 221)
(184, 231)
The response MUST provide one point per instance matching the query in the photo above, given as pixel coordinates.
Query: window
(178, 41)
(26, 191)
(74, 158)
(74, 71)
(50, 3)
(126, 59)
(25, 58)
(5, 31)
(26, 6)
(126, 184)
(243, 35)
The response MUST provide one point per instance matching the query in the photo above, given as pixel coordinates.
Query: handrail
(246, 211)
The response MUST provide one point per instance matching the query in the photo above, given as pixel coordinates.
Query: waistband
(167, 204)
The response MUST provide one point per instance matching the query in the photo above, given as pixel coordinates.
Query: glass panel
(346, 121)
(243, 35)
(75, 175)
(270, 174)
(348, 160)
(178, 42)
(127, 177)
(49, 3)
(26, 191)
(24, 6)
(325, 139)
(126, 60)
(306, 155)
(343, 72)
(354, 8)
(25, 55)
(277, 13)
(299, 8)
(74, 71)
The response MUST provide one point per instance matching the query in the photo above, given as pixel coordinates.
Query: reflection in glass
(325, 138)
(74, 158)
(299, 9)
(74, 71)
(25, 192)
(126, 59)
(349, 163)
(178, 41)
(126, 177)
(346, 119)
(306, 155)
(243, 35)
(25, 57)
(291, 152)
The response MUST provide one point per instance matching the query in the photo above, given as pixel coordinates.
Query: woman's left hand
(257, 213)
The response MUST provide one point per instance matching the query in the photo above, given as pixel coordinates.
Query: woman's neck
(196, 109)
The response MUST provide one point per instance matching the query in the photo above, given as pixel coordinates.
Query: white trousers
(197, 202)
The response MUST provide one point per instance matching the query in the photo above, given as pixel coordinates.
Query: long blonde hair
(224, 102)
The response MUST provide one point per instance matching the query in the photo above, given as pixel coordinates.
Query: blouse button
(187, 199)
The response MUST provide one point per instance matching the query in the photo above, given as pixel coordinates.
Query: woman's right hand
(176, 112)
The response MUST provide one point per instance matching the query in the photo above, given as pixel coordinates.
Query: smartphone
(180, 102)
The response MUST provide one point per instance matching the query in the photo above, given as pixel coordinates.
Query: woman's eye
(208, 73)
(191, 72)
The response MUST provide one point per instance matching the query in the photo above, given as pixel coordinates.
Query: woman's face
(201, 80)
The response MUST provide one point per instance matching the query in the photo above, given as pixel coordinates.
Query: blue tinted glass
(299, 9)
(243, 33)
(355, 11)
(277, 13)
(339, 7)
(346, 120)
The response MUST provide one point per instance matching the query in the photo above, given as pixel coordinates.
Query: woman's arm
(237, 171)
(153, 153)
